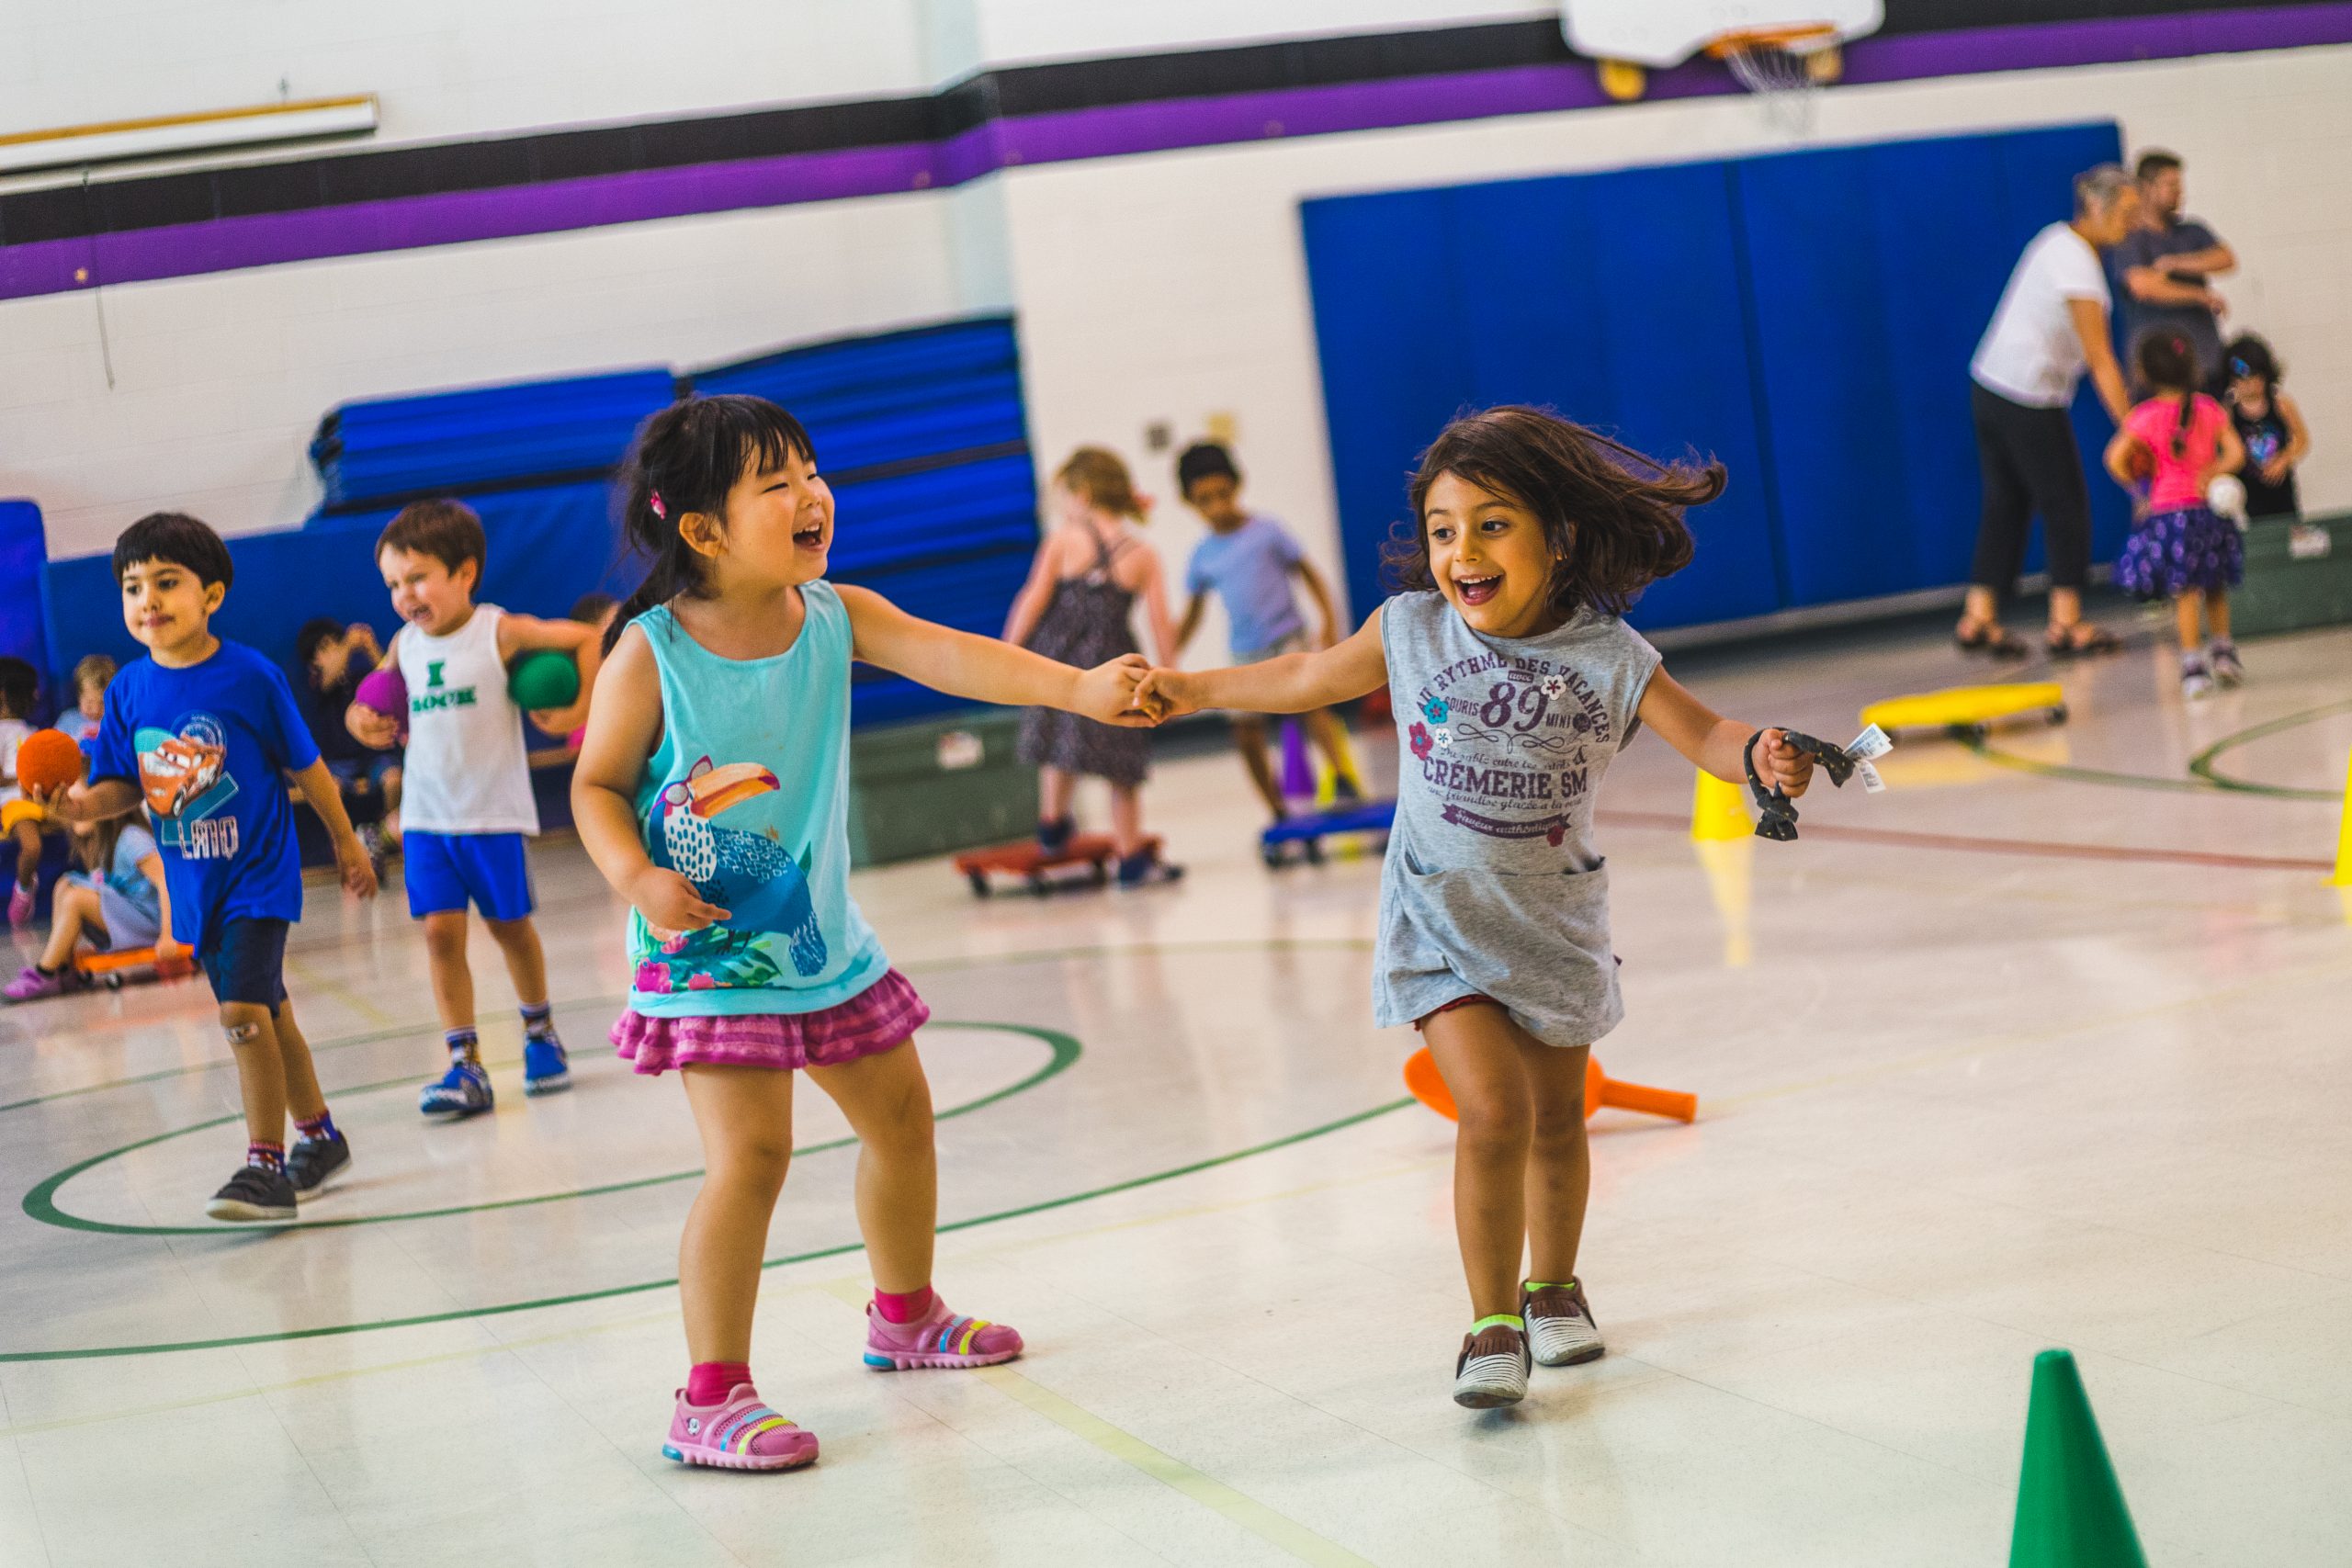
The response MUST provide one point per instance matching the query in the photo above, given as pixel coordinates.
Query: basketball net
(1785, 67)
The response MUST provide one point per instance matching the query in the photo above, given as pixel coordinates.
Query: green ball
(544, 679)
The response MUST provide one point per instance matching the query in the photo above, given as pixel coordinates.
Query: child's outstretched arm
(1296, 683)
(1029, 604)
(518, 634)
(1720, 744)
(624, 725)
(986, 669)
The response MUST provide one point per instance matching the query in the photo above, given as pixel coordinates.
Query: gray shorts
(127, 925)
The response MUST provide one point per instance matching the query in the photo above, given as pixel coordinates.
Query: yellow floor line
(1279, 1530)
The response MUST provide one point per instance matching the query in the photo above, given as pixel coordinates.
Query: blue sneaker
(546, 1068)
(463, 1090)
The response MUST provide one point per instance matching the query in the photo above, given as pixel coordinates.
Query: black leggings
(2030, 465)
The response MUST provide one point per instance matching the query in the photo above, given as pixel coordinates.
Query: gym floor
(2042, 1047)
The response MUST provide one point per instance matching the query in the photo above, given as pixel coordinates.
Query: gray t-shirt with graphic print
(1493, 886)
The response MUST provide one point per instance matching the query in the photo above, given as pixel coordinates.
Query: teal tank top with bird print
(747, 797)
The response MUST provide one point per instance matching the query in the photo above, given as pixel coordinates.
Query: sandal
(2080, 639)
(1989, 636)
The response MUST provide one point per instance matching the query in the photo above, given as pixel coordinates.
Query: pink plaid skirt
(869, 1022)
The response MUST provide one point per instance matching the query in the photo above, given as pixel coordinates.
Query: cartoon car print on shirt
(184, 776)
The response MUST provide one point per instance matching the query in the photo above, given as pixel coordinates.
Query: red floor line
(2038, 847)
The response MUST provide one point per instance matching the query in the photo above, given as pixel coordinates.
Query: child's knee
(246, 1026)
(1495, 1124)
(445, 936)
(753, 1161)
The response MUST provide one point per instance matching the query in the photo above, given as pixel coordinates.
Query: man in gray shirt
(2166, 267)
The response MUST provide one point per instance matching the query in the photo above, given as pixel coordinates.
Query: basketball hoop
(1782, 66)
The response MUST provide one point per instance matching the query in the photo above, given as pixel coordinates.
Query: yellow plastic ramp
(1968, 707)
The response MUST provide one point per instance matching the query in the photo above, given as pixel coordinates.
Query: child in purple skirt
(2180, 441)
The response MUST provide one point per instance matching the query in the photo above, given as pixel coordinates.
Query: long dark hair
(1612, 516)
(2167, 364)
(686, 458)
(2249, 354)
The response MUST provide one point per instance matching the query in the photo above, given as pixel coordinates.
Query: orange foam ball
(48, 760)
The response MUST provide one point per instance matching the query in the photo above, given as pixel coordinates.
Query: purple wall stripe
(364, 228)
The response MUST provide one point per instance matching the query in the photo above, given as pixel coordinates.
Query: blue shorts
(445, 872)
(351, 771)
(244, 957)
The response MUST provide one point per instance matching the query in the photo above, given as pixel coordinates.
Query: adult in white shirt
(2050, 327)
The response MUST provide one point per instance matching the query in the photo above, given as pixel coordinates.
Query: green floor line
(2202, 764)
(502, 1308)
(41, 1202)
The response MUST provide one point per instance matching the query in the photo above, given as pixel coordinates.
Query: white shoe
(1560, 1330)
(1493, 1369)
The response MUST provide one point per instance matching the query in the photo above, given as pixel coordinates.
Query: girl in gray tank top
(1514, 681)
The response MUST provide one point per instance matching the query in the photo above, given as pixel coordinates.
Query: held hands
(1168, 693)
(1112, 693)
(670, 904)
(1782, 765)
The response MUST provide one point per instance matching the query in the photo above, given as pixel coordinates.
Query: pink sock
(909, 1308)
(711, 1382)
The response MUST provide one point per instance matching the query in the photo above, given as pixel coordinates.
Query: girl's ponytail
(687, 458)
(2188, 401)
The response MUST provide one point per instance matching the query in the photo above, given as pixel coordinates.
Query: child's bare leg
(744, 1118)
(261, 1070)
(2217, 614)
(27, 854)
(526, 960)
(304, 1100)
(76, 906)
(453, 980)
(1250, 739)
(392, 803)
(1053, 794)
(1478, 1052)
(1127, 817)
(2188, 612)
(888, 1101)
(1559, 1160)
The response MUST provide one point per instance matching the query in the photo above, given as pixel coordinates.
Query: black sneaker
(253, 1194)
(311, 1162)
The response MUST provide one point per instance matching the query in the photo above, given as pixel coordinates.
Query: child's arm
(1155, 608)
(92, 802)
(1327, 614)
(986, 669)
(2299, 439)
(152, 868)
(1718, 744)
(518, 634)
(1030, 603)
(2229, 457)
(1191, 622)
(2118, 458)
(318, 787)
(377, 731)
(624, 725)
(1296, 683)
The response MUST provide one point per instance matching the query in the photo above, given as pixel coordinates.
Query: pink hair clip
(653, 500)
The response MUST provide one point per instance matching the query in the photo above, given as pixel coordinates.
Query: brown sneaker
(1560, 1329)
(1493, 1367)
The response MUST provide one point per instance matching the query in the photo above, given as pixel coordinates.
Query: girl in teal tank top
(712, 792)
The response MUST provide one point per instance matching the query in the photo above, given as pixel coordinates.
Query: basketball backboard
(1662, 33)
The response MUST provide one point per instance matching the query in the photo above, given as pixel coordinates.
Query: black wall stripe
(491, 163)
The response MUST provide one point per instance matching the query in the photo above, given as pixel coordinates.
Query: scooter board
(1308, 832)
(1028, 861)
(1968, 707)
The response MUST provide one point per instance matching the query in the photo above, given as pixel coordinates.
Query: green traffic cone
(2070, 1511)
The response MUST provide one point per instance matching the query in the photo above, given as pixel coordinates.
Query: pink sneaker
(32, 984)
(738, 1433)
(20, 908)
(940, 1338)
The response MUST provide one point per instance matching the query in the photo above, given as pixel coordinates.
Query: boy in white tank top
(467, 806)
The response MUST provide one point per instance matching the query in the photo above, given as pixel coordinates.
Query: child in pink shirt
(2178, 442)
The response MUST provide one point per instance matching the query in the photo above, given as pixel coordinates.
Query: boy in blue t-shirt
(204, 732)
(1249, 559)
